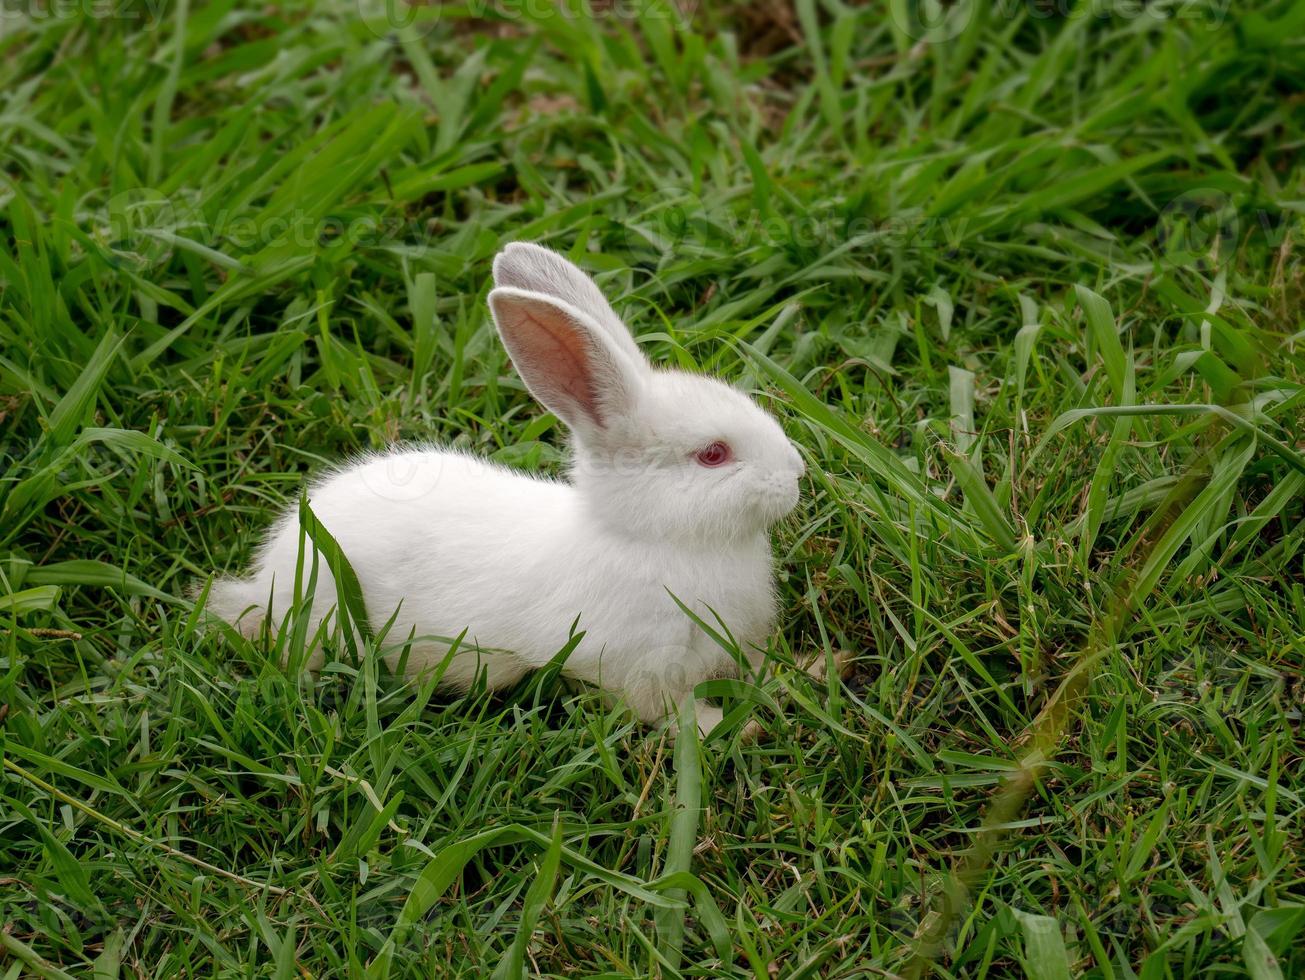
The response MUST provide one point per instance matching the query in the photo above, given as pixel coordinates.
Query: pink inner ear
(559, 351)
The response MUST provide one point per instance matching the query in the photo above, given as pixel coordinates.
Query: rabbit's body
(675, 482)
(412, 523)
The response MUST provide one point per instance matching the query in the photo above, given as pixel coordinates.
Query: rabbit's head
(659, 454)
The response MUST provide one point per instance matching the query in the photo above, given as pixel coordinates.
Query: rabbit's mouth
(777, 500)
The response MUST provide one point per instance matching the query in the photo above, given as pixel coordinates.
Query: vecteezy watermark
(938, 21)
(1203, 226)
(668, 218)
(142, 228)
(410, 19)
(136, 13)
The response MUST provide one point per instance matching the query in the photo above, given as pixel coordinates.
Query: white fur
(516, 559)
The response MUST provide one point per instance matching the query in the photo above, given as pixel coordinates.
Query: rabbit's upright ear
(568, 362)
(523, 265)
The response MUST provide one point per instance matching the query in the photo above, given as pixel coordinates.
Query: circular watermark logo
(402, 18)
(659, 220)
(403, 476)
(932, 20)
(139, 225)
(1200, 226)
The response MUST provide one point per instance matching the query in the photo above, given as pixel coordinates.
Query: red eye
(717, 454)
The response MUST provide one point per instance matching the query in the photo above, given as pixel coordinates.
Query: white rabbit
(675, 481)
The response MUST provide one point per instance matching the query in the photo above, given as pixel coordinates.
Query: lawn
(1025, 282)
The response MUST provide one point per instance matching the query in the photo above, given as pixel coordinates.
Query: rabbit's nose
(798, 462)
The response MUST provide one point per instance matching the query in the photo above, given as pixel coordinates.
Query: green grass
(1028, 291)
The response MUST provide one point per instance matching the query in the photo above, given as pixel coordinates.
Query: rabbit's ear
(538, 270)
(568, 362)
